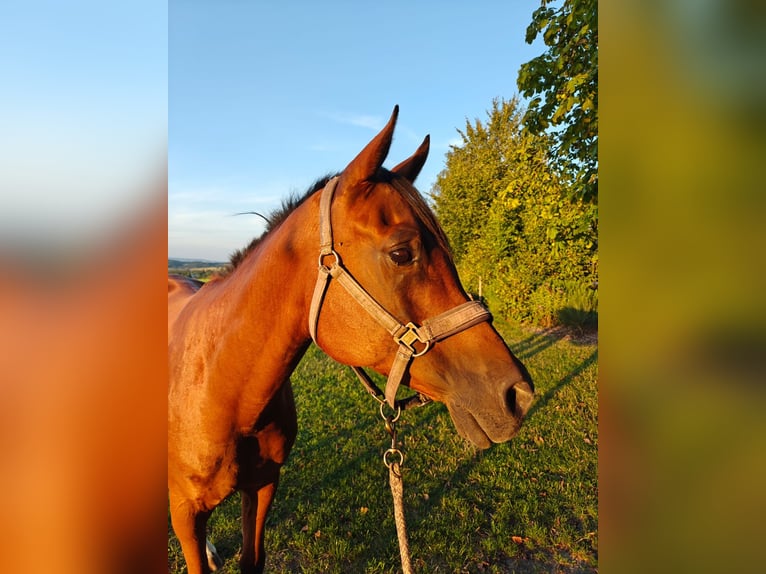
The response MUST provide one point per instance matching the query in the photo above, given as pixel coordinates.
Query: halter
(449, 323)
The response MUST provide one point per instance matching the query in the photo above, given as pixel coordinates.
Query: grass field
(526, 506)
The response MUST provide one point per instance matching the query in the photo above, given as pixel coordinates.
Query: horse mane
(273, 220)
(408, 192)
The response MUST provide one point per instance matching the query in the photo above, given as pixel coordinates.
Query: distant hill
(181, 263)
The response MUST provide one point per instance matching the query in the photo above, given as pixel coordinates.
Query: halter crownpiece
(449, 323)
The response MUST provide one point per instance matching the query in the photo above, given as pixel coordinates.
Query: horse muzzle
(493, 419)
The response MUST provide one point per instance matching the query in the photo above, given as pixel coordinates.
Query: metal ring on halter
(323, 255)
(423, 352)
(385, 418)
(393, 451)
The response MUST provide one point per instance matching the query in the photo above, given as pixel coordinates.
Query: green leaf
(564, 80)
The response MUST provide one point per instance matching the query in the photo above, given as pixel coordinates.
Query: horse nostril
(510, 399)
(519, 397)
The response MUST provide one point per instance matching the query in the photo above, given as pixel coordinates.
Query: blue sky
(83, 116)
(265, 97)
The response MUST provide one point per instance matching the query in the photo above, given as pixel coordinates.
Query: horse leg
(255, 507)
(214, 560)
(189, 524)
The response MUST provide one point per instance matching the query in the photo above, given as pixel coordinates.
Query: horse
(360, 266)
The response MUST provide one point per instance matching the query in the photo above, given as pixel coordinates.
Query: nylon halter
(449, 323)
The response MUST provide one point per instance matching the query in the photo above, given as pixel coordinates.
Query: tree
(476, 173)
(502, 205)
(563, 86)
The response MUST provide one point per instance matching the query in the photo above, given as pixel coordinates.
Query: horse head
(387, 241)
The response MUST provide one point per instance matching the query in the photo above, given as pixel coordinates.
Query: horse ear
(365, 165)
(410, 167)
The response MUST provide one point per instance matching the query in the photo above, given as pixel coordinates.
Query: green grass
(526, 506)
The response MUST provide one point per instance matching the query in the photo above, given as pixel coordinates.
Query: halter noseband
(435, 329)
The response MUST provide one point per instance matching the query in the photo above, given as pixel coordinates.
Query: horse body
(234, 343)
(232, 419)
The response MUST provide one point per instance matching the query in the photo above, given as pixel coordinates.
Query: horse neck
(259, 314)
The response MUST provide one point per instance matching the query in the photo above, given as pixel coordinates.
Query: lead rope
(393, 458)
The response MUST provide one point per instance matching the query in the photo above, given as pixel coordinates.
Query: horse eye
(401, 256)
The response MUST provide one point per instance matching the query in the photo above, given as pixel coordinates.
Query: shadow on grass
(535, 343)
(543, 400)
(524, 560)
(540, 341)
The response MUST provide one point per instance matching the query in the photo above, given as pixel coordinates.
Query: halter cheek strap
(405, 336)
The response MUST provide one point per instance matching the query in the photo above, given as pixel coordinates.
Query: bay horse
(360, 266)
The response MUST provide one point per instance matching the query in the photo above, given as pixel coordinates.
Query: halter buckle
(409, 337)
